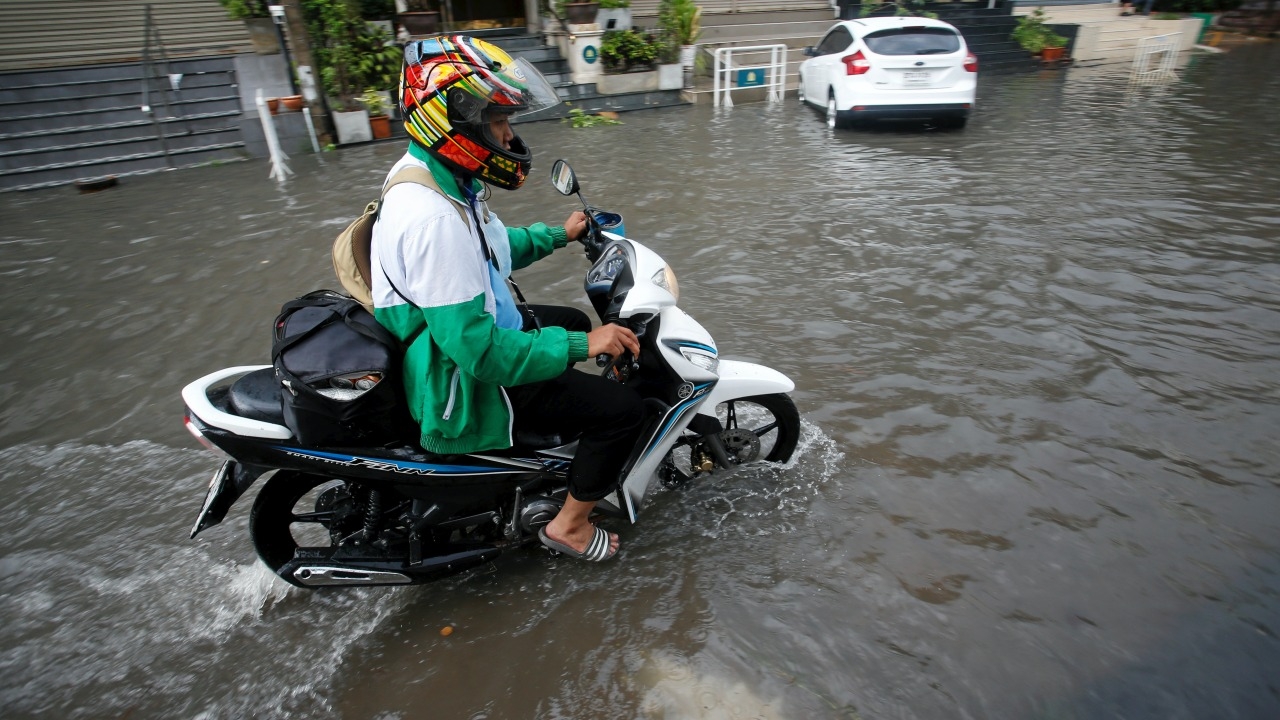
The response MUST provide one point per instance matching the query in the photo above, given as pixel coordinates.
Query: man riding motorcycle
(478, 366)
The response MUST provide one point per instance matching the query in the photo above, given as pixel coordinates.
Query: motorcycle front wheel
(760, 427)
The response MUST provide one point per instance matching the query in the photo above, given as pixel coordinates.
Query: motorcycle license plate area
(217, 486)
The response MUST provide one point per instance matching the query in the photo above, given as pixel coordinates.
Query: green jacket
(458, 358)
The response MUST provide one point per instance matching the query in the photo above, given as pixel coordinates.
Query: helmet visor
(515, 89)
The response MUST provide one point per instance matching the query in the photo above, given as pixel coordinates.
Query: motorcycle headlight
(666, 279)
(707, 362)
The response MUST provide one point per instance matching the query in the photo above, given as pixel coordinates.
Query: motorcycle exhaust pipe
(381, 572)
(321, 576)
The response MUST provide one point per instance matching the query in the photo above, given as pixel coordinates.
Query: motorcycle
(397, 515)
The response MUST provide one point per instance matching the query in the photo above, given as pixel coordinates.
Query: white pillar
(584, 53)
(532, 18)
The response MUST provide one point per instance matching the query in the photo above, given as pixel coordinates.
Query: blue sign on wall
(750, 78)
(590, 54)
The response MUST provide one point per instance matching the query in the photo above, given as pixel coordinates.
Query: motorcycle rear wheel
(287, 515)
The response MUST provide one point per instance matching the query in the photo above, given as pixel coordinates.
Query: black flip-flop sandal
(597, 550)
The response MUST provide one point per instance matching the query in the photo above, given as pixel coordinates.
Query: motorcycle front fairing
(630, 283)
(686, 355)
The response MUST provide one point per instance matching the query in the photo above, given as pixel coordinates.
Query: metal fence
(742, 76)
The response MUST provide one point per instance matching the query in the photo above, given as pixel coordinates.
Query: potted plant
(375, 102)
(681, 20)
(627, 58)
(421, 17)
(628, 51)
(577, 13)
(670, 71)
(344, 48)
(377, 59)
(614, 15)
(257, 20)
(1037, 38)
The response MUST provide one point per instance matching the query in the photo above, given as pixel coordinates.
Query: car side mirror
(810, 51)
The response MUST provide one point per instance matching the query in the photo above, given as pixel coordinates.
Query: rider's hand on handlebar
(612, 340)
(575, 228)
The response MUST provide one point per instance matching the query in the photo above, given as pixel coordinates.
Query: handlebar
(591, 240)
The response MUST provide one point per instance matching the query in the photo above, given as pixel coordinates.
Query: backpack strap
(353, 248)
(423, 177)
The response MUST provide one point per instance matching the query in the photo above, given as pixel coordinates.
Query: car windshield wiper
(934, 51)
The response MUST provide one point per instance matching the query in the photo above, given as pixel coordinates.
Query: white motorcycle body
(686, 348)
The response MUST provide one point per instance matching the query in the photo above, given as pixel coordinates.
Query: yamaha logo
(685, 391)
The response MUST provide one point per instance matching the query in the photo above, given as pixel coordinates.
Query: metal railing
(155, 67)
(774, 72)
(1155, 59)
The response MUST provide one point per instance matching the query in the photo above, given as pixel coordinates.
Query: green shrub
(622, 50)
(241, 9)
(899, 8)
(1033, 35)
(680, 20)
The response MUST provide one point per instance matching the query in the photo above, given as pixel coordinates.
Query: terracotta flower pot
(381, 126)
(1050, 54)
(292, 103)
(273, 104)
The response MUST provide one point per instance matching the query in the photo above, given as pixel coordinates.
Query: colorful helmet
(451, 86)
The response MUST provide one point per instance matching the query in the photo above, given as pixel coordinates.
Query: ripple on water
(1036, 361)
(109, 608)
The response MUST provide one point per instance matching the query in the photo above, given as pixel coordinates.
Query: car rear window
(913, 41)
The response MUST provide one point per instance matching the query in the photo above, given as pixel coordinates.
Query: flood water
(1037, 361)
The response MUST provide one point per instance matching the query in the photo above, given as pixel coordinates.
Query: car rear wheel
(833, 117)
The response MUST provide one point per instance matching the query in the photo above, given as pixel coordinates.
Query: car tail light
(855, 64)
(971, 63)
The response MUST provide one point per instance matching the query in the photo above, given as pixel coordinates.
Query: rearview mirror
(810, 52)
(563, 178)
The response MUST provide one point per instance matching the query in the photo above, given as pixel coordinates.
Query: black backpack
(339, 373)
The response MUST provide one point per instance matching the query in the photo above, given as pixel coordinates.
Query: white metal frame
(279, 168)
(1155, 59)
(724, 69)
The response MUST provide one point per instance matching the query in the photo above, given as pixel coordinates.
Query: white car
(890, 68)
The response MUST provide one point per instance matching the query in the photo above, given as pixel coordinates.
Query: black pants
(606, 414)
(560, 316)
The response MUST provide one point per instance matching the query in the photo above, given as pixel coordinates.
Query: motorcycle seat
(257, 396)
(530, 440)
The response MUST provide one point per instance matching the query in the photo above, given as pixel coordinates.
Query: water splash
(110, 609)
